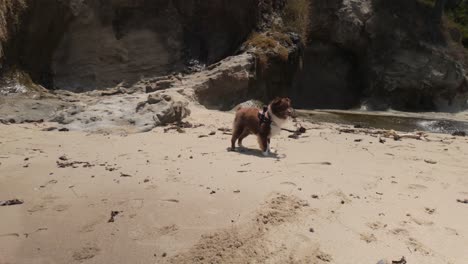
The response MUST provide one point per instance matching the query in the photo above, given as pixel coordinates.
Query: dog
(264, 125)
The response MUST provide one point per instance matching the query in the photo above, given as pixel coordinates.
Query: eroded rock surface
(227, 82)
(380, 53)
(400, 59)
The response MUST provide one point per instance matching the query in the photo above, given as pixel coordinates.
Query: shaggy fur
(247, 122)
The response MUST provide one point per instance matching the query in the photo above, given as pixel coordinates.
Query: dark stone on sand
(113, 215)
(459, 133)
(11, 202)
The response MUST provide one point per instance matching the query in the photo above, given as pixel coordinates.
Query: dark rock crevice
(331, 78)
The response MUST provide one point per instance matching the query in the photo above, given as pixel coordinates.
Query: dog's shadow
(256, 153)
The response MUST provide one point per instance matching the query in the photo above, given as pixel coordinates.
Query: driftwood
(417, 135)
(386, 133)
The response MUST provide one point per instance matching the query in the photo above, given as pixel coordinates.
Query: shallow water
(400, 121)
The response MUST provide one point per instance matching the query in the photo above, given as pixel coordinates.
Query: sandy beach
(327, 197)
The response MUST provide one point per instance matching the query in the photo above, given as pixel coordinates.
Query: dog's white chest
(276, 124)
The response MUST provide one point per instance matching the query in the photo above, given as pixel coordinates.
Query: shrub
(296, 17)
(9, 13)
(455, 18)
(460, 17)
(269, 45)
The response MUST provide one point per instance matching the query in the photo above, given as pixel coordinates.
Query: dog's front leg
(264, 145)
(268, 146)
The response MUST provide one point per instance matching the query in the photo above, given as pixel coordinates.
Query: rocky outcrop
(135, 112)
(96, 44)
(383, 53)
(411, 65)
(227, 82)
(164, 109)
(399, 59)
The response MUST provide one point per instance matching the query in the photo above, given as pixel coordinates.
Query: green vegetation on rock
(456, 18)
(460, 17)
(296, 17)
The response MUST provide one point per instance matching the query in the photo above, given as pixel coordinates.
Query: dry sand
(324, 198)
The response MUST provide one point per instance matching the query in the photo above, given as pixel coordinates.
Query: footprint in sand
(399, 231)
(452, 231)
(376, 225)
(370, 186)
(343, 197)
(151, 187)
(413, 244)
(368, 238)
(417, 187)
(137, 203)
(429, 210)
(168, 230)
(89, 227)
(61, 207)
(139, 233)
(48, 199)
(324, 257)
(288, 183)
(421, 222)
(37, 208)
(425, 178)
(417, 246)
(86, 253)
(445, 185)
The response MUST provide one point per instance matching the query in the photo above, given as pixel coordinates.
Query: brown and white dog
(262, 124)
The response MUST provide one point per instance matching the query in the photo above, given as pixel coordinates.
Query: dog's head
(281, 107)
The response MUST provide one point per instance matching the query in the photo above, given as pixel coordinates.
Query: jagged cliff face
(386, 52)
(382, 53)
(93, 44)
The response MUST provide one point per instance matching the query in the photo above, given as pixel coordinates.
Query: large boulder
(414, 79)
(226, 83)
(164, 109)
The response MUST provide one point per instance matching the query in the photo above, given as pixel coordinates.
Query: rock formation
(322, 53)
(384, 52)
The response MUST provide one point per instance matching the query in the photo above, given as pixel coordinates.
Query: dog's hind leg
(236, 133)
(244, 134)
